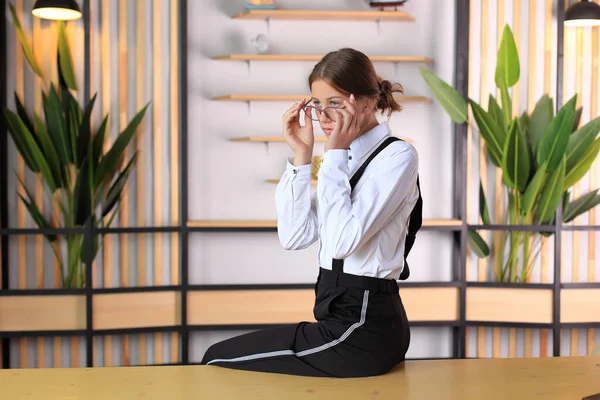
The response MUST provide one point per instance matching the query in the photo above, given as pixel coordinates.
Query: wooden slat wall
(579, 248)
(535, 34)
(134, 58)
(534, 27)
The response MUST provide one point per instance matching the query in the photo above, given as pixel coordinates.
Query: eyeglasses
(316, 112)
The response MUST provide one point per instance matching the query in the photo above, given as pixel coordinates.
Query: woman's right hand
(301, 139)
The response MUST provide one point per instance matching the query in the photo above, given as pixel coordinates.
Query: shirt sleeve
(347, 223)
(297, 224)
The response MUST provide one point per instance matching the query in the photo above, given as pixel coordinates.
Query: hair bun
(386, 100)
(384, 87)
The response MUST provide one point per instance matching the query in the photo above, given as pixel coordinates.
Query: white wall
(227, 180)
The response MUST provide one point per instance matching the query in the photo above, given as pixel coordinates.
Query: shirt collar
(364, 144)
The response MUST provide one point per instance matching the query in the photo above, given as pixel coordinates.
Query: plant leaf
(64, 55)
(577, 119)
(506, 104)
(490, 131)
(477, 244)
(448, 97)
(85, 131)
(483, 207)
(18, 131)
(82, 195)
(533, 190)
(37, 217)
(552, 193)
(56, 124)
(49, 152)
(515, 159)
(553, 144)
(23, 114)
(582, 166)
(98, 141)
(27, 50)
(524, 125)
(35, 213)
(580, 141)
(496, 113)
(114, 194)
(580, 205)
(507, 66)
(31, 147)
(540, 119)
(109, 162)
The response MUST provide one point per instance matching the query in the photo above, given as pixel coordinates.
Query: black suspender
(416, 216)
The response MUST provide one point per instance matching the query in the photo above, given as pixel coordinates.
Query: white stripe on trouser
(363, 316)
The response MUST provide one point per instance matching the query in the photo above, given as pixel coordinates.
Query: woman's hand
(347, 126)
(301, 139)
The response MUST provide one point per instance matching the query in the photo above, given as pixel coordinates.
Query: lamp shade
(584, 13)
(57, 9)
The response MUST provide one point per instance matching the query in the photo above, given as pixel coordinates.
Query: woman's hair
(351, 72)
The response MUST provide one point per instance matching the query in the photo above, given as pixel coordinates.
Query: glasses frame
(320, 110)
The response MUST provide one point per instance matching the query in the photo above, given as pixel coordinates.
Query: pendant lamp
(57, 9)
(584, 13)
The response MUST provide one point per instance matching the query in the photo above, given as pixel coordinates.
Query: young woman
(365, 214)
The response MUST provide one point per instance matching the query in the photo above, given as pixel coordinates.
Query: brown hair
(351, 72)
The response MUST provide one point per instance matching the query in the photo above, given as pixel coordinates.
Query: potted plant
(541, 156)
(80, 179)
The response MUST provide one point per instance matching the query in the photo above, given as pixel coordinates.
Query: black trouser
(361, 330)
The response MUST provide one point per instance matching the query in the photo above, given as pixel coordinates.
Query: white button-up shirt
(367, 228)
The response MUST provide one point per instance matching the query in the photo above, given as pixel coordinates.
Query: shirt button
(349, 157)
(295, 171)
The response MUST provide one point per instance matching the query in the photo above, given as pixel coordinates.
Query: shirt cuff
(336, 159)
(299, 171)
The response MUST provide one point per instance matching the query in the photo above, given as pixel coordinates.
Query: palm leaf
(110, 161)
(56, 124)
(580, 141)
(35, 213)
(552, 193)
(496, 113)
(583, 165)
(581, 205)
(507, 67)
(490, 131)
(25, 46)
(65, 60)
(477, 244)
(515, 159)
(553, 144)
(84, 137)
(49, 152)
(98, 141)
(577, 119)
(18, 131)
(114, 193)
(540, 119)
(452, 101)
(483, 207)
(22, 113)
(533, 189)
(82, 195)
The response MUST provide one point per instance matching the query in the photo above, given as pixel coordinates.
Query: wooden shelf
(273, 223)
(309, 57)
(278, 139)
(291, 97)
(324, 15)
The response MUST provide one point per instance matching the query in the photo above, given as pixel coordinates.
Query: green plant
(541, 156)
(81, 180)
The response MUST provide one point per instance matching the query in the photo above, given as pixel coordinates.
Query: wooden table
(512, 379)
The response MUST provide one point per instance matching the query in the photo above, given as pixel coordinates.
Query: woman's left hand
(347, 126)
